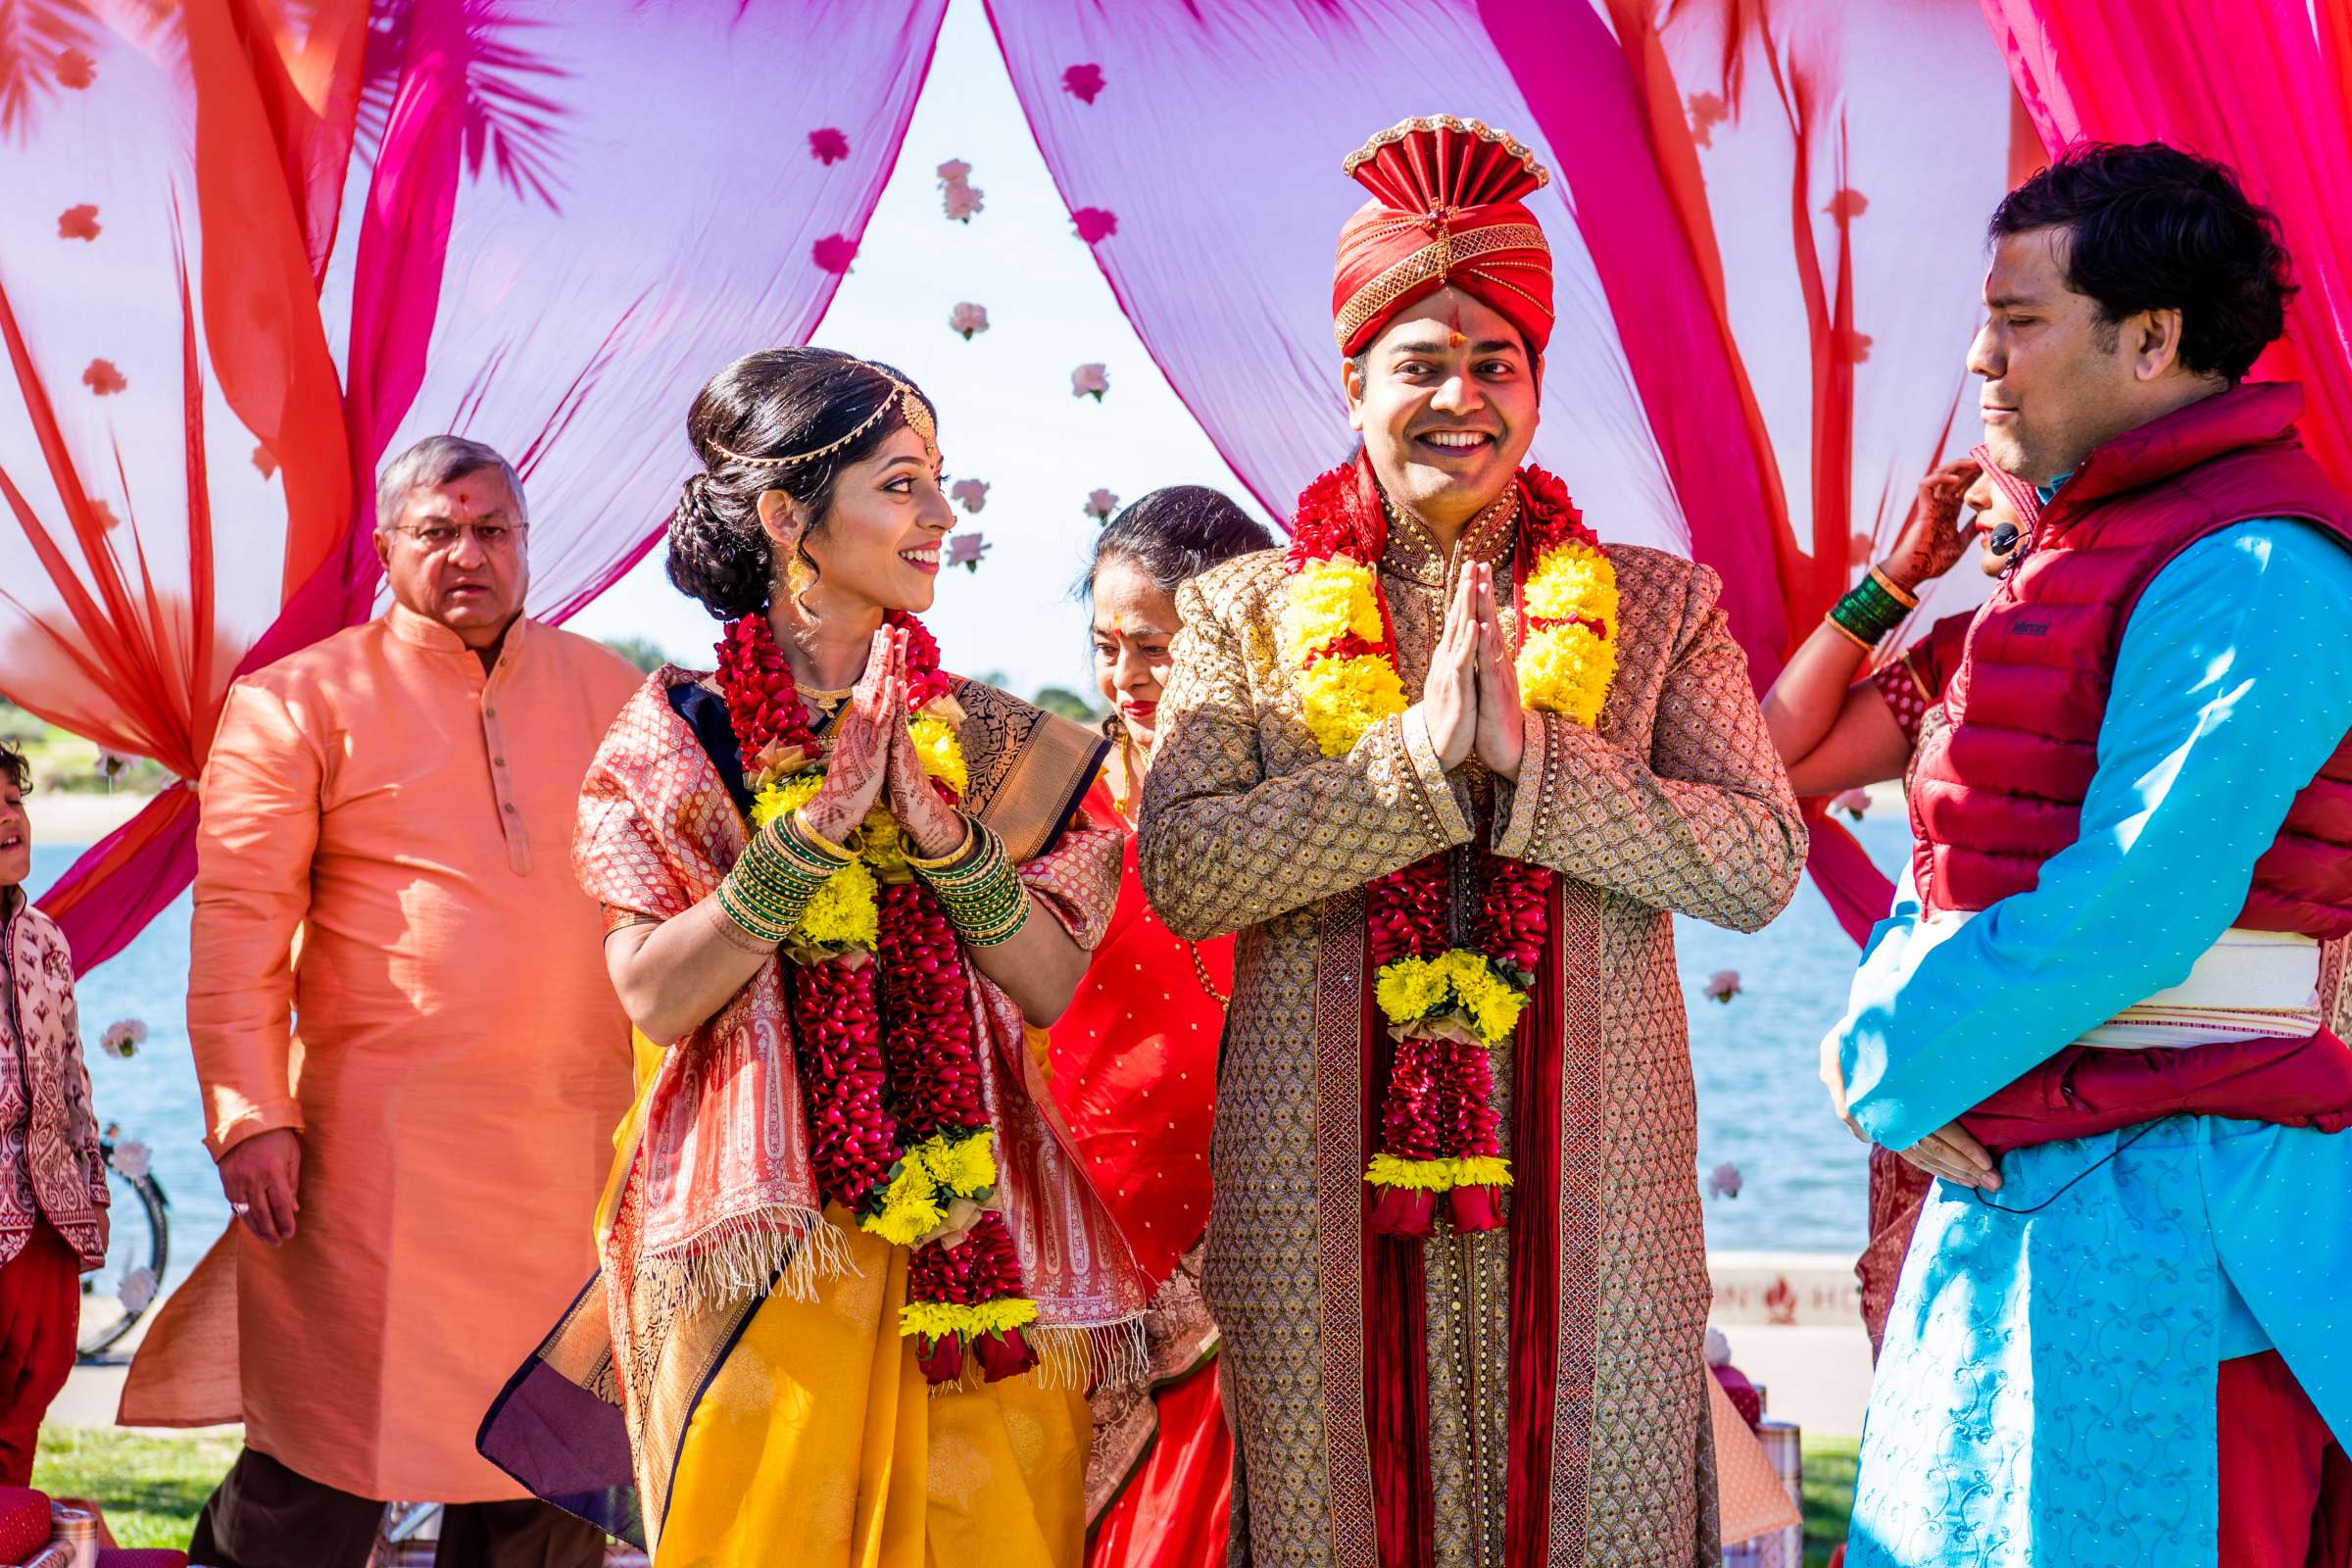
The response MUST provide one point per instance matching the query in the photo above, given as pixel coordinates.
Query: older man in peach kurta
(387, 819)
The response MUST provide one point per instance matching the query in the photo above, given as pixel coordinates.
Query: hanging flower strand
(958, 195)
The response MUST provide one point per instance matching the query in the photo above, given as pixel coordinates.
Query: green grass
(1829, 1496)
(148, 1488)
(151, 1488)
(63, 763)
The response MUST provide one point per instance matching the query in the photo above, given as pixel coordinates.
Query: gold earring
(799, 575)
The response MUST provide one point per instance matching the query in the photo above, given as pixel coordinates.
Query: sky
(1008, 414)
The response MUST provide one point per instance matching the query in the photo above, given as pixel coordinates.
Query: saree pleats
(816, 1446)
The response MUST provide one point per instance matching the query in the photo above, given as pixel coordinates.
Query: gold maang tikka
(911, 409)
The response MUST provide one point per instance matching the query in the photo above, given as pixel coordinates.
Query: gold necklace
(826, 702)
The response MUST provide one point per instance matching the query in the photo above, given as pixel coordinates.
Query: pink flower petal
(834, 253)
(1083, 82)
(1094, 223)
(1847, 204)
(828, 146)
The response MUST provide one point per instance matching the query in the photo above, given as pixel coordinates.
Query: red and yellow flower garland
(1445, 1005)
(883, 1017)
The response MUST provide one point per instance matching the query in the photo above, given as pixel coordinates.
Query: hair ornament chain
(911, 408)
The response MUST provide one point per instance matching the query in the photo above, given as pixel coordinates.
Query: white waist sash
(2248, 985)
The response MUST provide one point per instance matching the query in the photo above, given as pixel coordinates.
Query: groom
(1433, 761)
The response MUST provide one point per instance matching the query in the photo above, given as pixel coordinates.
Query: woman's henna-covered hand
(861, 742)
(1931, 541)
(932, 826)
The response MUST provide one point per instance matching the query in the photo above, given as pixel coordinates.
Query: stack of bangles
(779, 873)
(1871, 608)
(978, 888)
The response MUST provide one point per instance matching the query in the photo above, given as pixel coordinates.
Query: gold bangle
(1849, 634)
(971, 834)
(816, 840)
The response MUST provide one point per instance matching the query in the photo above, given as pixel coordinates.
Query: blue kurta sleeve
(2233, 686)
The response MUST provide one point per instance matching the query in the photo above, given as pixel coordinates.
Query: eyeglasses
(439, 537)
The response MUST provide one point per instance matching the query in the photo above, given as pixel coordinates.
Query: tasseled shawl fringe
(791, 1251)
(1079, 1357)
(794, 1252)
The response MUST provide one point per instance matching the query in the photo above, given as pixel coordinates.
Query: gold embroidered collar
(1414, 554)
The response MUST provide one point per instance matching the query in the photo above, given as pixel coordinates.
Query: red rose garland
(888, 1051)
(1440, 1100)
(1438, 1131)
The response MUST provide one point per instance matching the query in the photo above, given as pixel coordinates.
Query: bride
(853, 1286)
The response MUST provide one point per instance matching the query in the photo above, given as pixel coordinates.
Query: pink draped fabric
(2257, 87)
(568, 217)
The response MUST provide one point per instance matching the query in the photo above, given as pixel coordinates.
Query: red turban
(1444, 210)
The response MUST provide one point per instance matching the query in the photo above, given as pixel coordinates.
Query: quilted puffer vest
(2000, 790)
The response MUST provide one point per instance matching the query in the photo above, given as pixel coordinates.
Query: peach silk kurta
(386, 849)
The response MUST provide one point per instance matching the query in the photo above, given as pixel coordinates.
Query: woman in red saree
(1135, 1061)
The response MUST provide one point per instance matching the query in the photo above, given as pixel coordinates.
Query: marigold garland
(1445, 1005)
(883, 1016)
(1333, 629)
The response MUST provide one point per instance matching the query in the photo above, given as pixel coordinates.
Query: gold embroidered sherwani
(1675, 803)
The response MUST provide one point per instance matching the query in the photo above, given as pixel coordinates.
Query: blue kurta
(2045, 1393)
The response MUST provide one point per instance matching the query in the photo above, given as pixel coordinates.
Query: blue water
(151, 1096)
(1760, 1106)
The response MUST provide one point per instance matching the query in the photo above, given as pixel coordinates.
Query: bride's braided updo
(767, 405)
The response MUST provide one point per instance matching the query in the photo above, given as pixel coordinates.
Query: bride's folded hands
(934, 829)
(862, 742)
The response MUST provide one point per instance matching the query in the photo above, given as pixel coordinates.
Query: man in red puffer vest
(2115, 1343)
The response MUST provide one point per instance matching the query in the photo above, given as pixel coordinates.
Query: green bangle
(980, 891)
(772, 881)
(1868, 611)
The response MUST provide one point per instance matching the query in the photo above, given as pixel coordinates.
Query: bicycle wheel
(116, 1296)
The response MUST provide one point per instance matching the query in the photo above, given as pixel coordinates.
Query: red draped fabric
(2250, 82)
(211, 361)
(1176, 1511)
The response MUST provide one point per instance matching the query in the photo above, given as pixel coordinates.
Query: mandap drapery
(253, 245)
